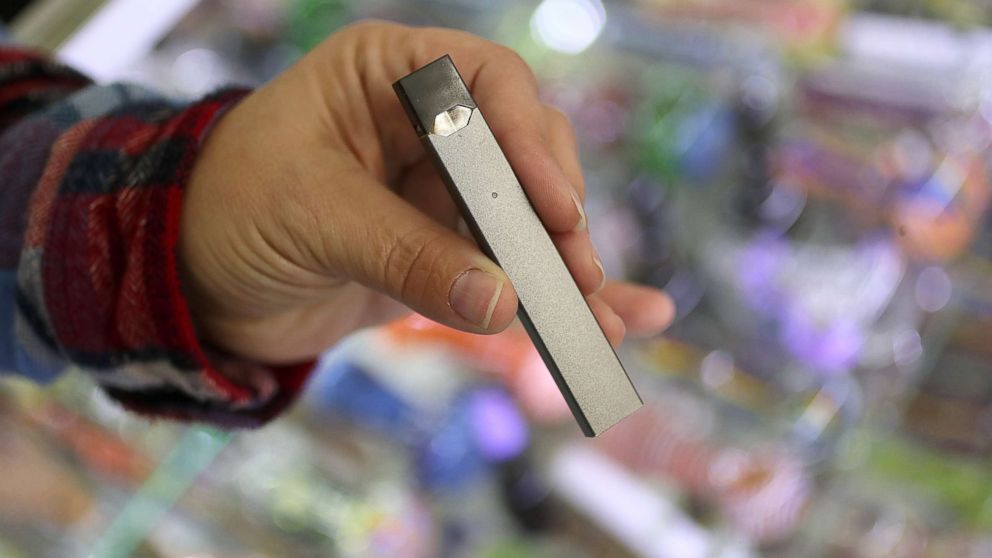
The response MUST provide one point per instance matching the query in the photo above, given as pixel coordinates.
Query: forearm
(28, 83)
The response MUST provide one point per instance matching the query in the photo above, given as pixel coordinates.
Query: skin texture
(313, 209)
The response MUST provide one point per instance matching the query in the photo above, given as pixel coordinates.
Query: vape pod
(501, 218)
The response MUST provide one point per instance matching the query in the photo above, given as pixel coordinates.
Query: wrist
(195, 267)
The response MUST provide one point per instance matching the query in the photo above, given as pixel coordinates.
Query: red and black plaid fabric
(91, 192)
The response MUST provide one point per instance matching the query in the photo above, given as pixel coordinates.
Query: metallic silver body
(552, 308)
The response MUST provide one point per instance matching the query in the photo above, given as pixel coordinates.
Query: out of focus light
(568, 26)
(716, 369)
(831, 347)
(783, 206)
(933, 289)
(120, 33)
(199, 70)
(603, 121)
(986, 107)
(760, 96)
(625, 506)
(913, 155)
(819, 413)
(500, 430)
(907, 347)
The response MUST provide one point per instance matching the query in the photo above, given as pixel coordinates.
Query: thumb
(386, 244)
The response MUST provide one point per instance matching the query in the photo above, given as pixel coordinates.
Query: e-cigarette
(497, 211)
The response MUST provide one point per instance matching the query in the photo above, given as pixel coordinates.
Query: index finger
(506, 91)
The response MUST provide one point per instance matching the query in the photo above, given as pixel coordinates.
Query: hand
(313, 210)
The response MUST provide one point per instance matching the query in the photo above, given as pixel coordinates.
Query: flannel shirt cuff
(99, 283)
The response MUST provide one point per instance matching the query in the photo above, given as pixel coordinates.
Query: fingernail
(602, 272)
(582, 212)
(474, 296)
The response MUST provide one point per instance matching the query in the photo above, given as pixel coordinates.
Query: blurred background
(809, 179)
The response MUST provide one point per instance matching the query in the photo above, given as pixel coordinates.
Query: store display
(809, 179)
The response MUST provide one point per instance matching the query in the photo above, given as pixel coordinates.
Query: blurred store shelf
(809, 179)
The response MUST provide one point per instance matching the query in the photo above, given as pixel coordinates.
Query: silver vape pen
(504, 223)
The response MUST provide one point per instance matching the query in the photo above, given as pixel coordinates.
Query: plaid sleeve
(91, 191)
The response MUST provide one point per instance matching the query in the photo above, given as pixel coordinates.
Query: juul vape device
(497, 211)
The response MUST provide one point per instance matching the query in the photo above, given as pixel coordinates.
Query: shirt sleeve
(91, 191)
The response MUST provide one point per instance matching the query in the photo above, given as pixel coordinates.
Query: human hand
(313, 210)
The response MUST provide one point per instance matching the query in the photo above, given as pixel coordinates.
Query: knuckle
(559, 121)
(448, 36)
(411, 262)
(510, 57)
(557, 115)
(431, 42)
(366, 25)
